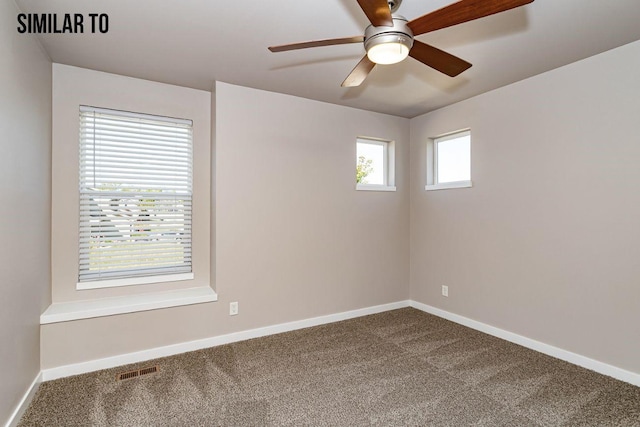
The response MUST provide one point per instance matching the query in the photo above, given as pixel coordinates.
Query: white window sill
(371, 187)
(449, 185)
(131, 281)
(76, 310)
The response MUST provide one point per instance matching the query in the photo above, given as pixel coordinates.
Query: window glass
(371, 165)
(453, 157)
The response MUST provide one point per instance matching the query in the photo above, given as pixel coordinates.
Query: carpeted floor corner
(398, 368)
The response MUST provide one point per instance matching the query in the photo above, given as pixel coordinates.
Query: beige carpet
(402, 367)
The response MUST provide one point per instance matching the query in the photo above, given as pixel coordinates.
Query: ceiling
(196, 42)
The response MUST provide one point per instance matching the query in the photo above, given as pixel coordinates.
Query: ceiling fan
(390, 37)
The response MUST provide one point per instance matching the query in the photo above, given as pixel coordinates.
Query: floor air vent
(137, 373)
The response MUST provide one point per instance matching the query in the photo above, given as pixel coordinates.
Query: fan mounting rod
(394, 5)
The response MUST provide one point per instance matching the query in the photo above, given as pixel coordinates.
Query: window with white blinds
(135, 195)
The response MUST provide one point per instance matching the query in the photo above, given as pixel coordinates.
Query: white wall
(25, 129)
(546, 243)
(294, 239)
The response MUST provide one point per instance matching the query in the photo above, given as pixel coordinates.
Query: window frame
(130, 277)
(388, 160)
(432, 162)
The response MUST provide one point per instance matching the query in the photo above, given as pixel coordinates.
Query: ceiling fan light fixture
(388, 45)
(388, 53)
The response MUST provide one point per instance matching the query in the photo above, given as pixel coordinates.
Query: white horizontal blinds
(135, 195)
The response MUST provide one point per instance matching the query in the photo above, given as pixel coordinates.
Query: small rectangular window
(449, 161)
(374, 165)
(135, 198)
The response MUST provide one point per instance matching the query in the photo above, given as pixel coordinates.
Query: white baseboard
(170, 350)
(24, 402)
(567, 356)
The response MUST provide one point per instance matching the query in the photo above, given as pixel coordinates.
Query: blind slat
(119, 252)
(150, 140)
(123, 243)
(115, 261)
(128, 115)
(134, 126)
(122, 122)
(127, 173)
(137, 272)
(124, 165)
(89, 194)
(105, 158)
(139, 237)
(132, 150)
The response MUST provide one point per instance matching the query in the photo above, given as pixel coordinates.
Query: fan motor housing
(399, 33)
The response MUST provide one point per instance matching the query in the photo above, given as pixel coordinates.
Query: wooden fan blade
(378, 12)
(359, 73)
(438, 59)
(317, 43)
(462, 11)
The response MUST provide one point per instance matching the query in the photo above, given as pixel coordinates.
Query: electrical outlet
(445, 291)
(233, 308)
